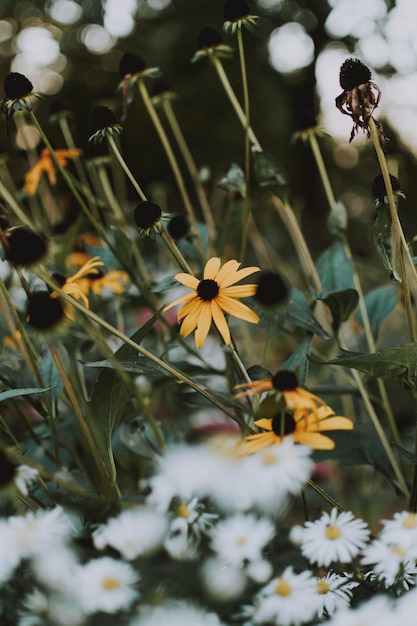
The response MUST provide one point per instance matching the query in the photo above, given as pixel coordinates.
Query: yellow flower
(286, 383)
(303, 426)
(212, 297)
(45, 164)
(77, 285)
(115, 280)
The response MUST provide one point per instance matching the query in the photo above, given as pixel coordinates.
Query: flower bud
(17, 86)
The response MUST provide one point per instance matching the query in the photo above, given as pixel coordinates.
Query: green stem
(175, 251)
(127, 171)
(246, 201)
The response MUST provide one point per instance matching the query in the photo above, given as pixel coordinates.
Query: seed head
(149, 217)
(178, 226)
(209, 38)
(43, 311)
(236, 10)
(131, 63)
(24, 246)
(271, 289)
(103, 121)
(285, 380)
(379, 191)
(17, 86)
(353, 73)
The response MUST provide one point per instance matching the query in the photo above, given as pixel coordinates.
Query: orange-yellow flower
(213, 296)
(76, 285)
(304, 426)
(46, 165)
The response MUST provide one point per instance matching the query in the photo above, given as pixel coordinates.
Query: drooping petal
(314, 440)
(239, 291)
(335, 423)
(187, 280)
(189, 322)
(212, 267)
(203, 324)
(186, 298)
(239, 275)
(237, 309)
(257, 386)
(220, 321)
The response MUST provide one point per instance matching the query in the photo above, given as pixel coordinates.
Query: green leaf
(123, 244)
(394, 363)
(298, 314)
(15, 393)
(337, 221)
(50, 376)
(109, 399)
(383, 236)
(269, 172)
(299, 360)
(341, 305)
(134, 365)
(335, 268)
(379, 302)
(166, 283)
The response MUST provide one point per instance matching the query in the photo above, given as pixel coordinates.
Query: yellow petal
(264, 422)
(203, 324)
(220, 322)
(211, 268)
(186, 298)
(226, 274)
(239, 291)
(239, 275)
(237, 309)
(314, 440)
(335, 423)
(187, 280)
(189, 322)
(254, 443)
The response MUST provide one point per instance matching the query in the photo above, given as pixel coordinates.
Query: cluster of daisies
(209, 544)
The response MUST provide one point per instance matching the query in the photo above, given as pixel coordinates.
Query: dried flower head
(44, 312)
(23, 246)
(179, 226)
(17, 89)
(360, 95)
(271, 289)
(237, 14)
(161, 90)
(149, 218)
(103, 122)
(133, 68)
(210, 43)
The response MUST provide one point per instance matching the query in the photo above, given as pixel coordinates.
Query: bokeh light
(290, 48)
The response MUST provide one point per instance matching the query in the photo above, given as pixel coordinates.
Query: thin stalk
(171, 158)
(192, 168)
(246, 201)
(126, 169)
(175, 251)
(19, 213)
(315, 148)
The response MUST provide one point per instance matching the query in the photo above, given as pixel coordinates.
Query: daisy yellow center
(183, 510)
(208, 289)
(398, 551)
(410, 521)
(332, 532)
(241, 541)
(283, 424)
(109, 583)
(322, 587)
(269, 458)
(283, 588)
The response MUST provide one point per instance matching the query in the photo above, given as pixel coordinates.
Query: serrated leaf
(341, 305)
(234, 180)
(335, 268)
(269, 172)
(108, 402)
(16, 393)
(394, 363)
(379, 302)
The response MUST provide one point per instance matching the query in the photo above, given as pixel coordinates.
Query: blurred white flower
(334, 592)
(240, 539)
(177, 615)
(34, 533)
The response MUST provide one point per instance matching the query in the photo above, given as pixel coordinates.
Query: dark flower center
(283, 424)
(59, 279)
(131, 63)
(101, 117)
(25, 246)
(379, 190)
(271, 289)
(353, 73)
(235, 10)
(17, 86)
(7, 470)
(208, 289)
(178, 226)
(161, 87)
(209, 38)
(43, 312)
(146, 214)
(285, 380)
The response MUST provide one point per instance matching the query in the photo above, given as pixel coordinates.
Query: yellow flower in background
(304, 426)
(45, 165)
(213, 296)
(77, 285)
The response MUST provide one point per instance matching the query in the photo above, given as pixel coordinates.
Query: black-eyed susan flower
(237, 14)
(379, 190)
(161, 90)
(132, 67)
(17, 89)
(46, 165)
(103, 122)
(44, 312)
(213, 296)
(210, 43)
(149, 218)
(23, 246)
(179, 226)
(284, 382)
(271, 290)
(360, 96)
(303, 425)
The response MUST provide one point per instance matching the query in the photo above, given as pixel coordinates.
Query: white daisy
(133, 533)
(406, 609)
(176, 615)
(289, 600)
(33, 533)
(334, 537)
(241, 538)
(55, 568)
(24, 477)
(9, 557)
(179, 543)
(380, 610)
(401, 531)
(334, 592)
(388, 561)
(105, 584)
(223, 582)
